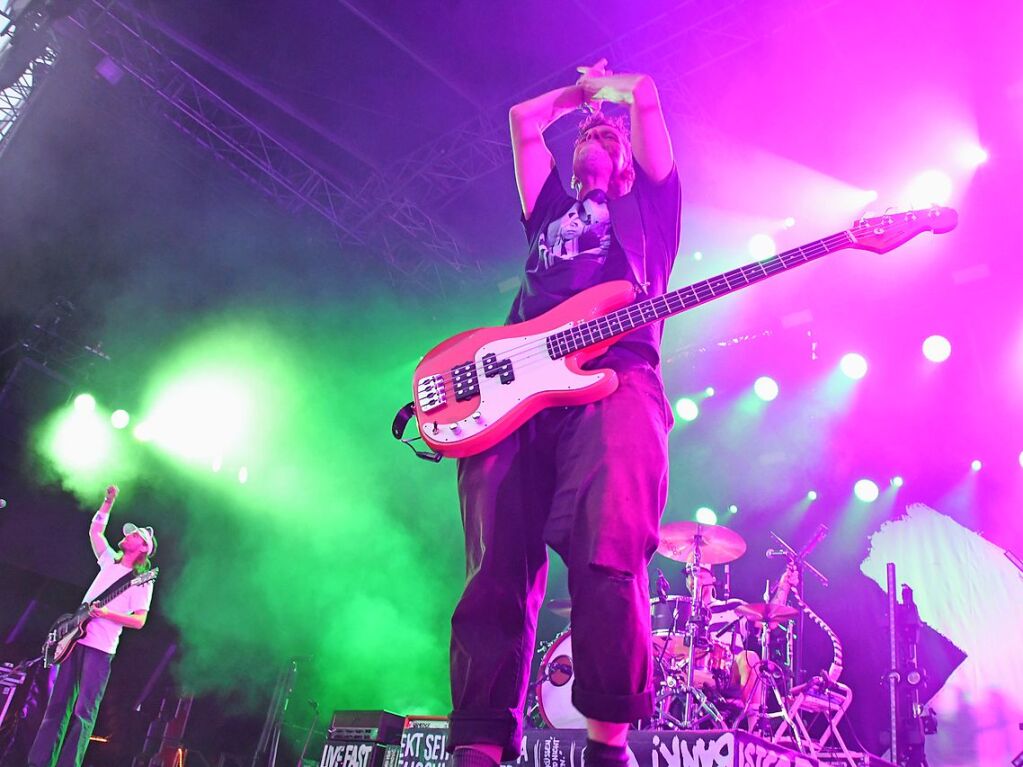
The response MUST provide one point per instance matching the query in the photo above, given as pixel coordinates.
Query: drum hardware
(696, 545)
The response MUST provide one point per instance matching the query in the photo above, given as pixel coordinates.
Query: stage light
(1021, 459)
(697, 256)
(897, 481)
(706, 516)
(243, 475)
(812, 495)
(870, 195)
(866, 490)
(762, 246)
(709, 391)
(733, 509)
(217, 463)
(789, 222)
(687, 409)
(766, 388)
(937, 348)
(976, 465)
(119, 419)
(972, 155)
(853, 365)
(81, 441)
(143, 432)
(932, 187)
(85, 403)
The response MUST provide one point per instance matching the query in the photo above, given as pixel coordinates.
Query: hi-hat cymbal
(717, 544)
(758, 612)
(562, 607)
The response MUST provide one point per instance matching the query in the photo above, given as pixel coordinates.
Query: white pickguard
(535, 372)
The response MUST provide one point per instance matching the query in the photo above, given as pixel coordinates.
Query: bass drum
(554, 690)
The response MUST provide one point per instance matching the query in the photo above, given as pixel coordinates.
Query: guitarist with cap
(83, 672)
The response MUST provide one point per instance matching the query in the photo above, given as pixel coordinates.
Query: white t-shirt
(103, 634)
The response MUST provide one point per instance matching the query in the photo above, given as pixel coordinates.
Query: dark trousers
(590, 481)
(70, 715)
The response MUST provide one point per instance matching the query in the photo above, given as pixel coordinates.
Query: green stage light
(706, 516)
(812, 495)
(766, 388)
(687, 409)
(709, 391)
(897, 481)
(85, 403)
(119, 419)
(733, 509)
(866, 490)
(80, 441)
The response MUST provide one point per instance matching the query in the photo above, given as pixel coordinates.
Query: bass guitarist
(81, 680)
(588, 480)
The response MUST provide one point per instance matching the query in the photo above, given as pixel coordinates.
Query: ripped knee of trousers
(613, 573)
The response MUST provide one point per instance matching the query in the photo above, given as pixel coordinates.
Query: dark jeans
(589, 481)
(71, 712)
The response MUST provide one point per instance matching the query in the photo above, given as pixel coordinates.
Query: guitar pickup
(466, 381)
(503, 368)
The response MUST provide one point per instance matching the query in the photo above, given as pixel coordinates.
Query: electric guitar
(476, 388)
(70, 627)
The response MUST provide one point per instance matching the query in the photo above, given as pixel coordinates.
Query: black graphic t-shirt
(575, 244)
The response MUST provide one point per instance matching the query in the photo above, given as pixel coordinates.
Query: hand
(112, 492)
(98, 612)
(588, 84)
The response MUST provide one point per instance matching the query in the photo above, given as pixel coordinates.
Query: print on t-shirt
(585, 230)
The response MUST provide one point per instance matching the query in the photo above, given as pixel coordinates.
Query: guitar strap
(398, 426)
(122, 581)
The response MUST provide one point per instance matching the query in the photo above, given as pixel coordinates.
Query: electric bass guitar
(476, 388)
(70, 627)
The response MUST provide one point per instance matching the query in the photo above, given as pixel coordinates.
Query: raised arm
(528, 120)
(651, 144)
(97, 530)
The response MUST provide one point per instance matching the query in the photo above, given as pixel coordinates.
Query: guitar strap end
(398, 426)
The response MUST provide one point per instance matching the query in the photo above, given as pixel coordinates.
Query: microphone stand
(798, 558)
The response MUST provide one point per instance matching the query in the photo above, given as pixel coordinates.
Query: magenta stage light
(973, 155)
(866, 490)
(853, 365)
(766, 388)
(1021, 459)
(762, 246)
(976, 465)
(932, 187)
(937, 348)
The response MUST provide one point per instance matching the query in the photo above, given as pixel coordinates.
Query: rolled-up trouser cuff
(498, 727)
(613, 708)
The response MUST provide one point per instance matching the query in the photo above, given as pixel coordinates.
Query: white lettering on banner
(757, 755)
(705, 752)
(346, 755)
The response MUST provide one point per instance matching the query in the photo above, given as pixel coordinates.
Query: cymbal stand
(696, 631)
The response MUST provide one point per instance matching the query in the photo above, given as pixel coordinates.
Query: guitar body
(64, 634)
(461, 427)
(476, 388)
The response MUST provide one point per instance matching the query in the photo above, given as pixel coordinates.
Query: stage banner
(424, 740)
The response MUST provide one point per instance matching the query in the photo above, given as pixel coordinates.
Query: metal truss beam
(404, 232)
(703, 34)
(14, 99)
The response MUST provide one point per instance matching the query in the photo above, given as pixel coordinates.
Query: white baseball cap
(147, 535)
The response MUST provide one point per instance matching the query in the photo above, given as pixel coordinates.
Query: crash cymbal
(717, 544)
(758, 612)
(562, 607)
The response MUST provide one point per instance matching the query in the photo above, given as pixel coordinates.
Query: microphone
(663, 587)
(774, 553)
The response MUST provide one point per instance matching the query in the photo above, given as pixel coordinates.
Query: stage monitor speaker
(366, 727)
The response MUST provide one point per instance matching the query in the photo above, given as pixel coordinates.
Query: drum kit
(698, 645)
